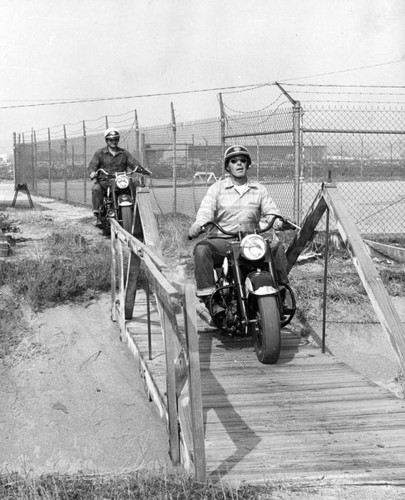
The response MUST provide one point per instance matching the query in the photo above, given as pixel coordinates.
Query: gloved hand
(278, 224)
(93, 174)
(194, 231)
(142, 170)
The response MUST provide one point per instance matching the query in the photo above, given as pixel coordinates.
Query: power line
(346, 70)
(158, 94)
(195, 91)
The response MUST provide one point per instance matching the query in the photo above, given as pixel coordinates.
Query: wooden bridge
(307, 419)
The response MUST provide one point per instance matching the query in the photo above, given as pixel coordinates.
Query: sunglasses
(235, 160)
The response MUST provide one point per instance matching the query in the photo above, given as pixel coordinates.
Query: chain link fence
(295, 147)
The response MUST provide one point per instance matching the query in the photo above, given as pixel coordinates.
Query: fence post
(106, 122)
(22, 156)
(35, 163)
(137, 136)
(222, 117)
(84, 163)
(32, 159)
(50, 162)
(257, 158)
(65, 159)
(206, 160)
(20, 161)
(16, 166)
(143, 152)
(297, 161)
(174, 160)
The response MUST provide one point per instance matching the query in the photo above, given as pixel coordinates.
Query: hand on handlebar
(194, 231)
(284, 225)
(142, 170)
(93, 174)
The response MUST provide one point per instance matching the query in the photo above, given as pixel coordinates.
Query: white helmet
(236, 150)
(111, 133)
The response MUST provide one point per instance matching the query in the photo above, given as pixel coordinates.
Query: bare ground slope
(71, 397)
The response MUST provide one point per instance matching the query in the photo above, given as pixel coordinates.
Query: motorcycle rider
(234, 202)
(112, 159)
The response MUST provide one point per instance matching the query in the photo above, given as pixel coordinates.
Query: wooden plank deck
(307, 418)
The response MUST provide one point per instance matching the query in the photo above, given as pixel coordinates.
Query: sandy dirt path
(71, 397)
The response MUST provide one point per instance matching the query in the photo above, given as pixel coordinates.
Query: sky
(103, 49)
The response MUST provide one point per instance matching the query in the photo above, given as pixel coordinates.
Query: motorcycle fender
(260, 283)
(125, 200)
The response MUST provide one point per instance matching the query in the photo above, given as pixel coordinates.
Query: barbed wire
(350, 93)
(342, 85)
(257, 110)
(356, 102)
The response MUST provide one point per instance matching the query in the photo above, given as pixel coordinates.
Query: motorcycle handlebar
(139, 169)
(287, 225)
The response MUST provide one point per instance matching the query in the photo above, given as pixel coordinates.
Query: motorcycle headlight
(122, 181)
(253, 247)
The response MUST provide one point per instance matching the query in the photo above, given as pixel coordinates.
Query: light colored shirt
(235, 207)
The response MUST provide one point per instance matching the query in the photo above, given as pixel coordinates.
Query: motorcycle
(246, 288)
(119, 200)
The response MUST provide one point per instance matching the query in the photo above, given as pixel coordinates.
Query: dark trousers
(97, 194)
(210, 253)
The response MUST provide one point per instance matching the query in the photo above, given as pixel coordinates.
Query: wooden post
(307, 230)
(134, 265)
(121, 291)
(174, 440)
(196, 405)
(113, 274)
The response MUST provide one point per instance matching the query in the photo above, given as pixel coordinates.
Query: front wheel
(127, 216)
(267, 336)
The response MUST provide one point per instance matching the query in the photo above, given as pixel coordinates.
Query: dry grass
(140, 485)
(70, 269)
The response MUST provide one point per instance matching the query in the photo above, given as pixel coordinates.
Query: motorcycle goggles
(122, 181)
(253, 247)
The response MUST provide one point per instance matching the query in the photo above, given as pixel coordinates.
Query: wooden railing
(329, 199)
(181, 403)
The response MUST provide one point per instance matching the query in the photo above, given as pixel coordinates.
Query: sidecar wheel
(267, 336)
(127, 215)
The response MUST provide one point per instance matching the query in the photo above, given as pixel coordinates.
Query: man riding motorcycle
(235, 203)
(112, 159)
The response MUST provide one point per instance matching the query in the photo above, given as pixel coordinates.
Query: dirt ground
(71, 396)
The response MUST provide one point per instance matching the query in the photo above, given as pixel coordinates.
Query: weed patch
(72, 267)
(142, 486)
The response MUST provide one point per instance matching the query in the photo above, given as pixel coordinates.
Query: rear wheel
(267, 336)
(127, 215)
